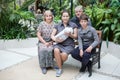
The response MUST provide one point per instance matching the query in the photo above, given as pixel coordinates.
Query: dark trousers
(86, 56)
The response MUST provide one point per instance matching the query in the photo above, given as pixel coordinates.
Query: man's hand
(81, 53)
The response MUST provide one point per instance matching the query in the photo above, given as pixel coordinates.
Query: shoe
(58, 72)
(44, 70)
(83, 68)
(89, 65)
(55, 67)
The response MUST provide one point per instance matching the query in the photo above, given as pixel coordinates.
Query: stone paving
(22, 64)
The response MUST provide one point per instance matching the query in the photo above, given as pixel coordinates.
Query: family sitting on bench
(49, 33)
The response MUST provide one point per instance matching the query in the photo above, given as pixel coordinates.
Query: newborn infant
(62, 35)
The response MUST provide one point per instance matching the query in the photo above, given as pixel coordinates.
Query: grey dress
(45, 53)
(68, 45)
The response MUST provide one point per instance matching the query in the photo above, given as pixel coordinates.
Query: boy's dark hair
(83, 17)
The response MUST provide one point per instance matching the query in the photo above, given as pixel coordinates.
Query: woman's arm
(58, 40)
(53, 34)
(41, 39)
(74, 34)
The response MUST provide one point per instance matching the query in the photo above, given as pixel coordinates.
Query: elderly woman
(45, 48)
(63, 48)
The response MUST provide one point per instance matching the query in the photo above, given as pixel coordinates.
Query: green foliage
(26, 4)
(10, 28)
(106, 17)
(19, 23)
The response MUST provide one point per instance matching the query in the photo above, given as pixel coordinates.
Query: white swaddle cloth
(62, 35)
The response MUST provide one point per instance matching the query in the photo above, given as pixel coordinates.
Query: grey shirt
(87, 37)
(59, 27)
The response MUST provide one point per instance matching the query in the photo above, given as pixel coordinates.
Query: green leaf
(117, 34)
(118, 14)
(115, 21)
(108, 11)
(113, 27)
(116, 31)
(106, 30)
(106, 22)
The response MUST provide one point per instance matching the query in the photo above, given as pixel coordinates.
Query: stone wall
(14, 43)
(32, 42)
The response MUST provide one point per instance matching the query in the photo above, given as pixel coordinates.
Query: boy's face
(84, 23)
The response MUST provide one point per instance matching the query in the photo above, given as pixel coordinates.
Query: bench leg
(99, 62)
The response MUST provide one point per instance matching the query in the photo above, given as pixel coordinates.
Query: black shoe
(89, 65)
(83, 68)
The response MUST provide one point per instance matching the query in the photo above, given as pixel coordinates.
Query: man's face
(78, 12)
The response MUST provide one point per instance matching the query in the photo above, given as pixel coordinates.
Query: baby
(62, 35)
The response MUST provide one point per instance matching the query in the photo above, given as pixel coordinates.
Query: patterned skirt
(45, 55)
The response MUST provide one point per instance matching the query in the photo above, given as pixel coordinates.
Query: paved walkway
(22, 64)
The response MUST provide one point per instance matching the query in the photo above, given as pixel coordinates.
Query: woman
(45, 43)
(63, 48)
(88, 40)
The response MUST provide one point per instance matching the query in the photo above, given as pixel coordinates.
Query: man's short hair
(79, 8)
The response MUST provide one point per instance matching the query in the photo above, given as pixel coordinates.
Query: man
(78, 12)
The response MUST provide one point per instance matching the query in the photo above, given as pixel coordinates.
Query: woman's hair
(65, 11)
(46, 12)
(83, 17)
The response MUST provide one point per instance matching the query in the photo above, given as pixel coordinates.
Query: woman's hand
(47, 44)
(67, 33)
(58, 40)
(51, 43)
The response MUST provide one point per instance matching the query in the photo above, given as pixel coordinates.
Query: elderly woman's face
(65, 17)
(48, 17)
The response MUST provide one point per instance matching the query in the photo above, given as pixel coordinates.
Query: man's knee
(86, 55)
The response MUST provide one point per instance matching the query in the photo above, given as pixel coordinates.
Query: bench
(95, 58)
(96, 55)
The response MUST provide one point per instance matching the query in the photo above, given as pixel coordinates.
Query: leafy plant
(106, 17)
(9, 18)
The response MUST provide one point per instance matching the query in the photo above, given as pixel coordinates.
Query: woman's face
(65, 17)
(84, 23)
(48, 17)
